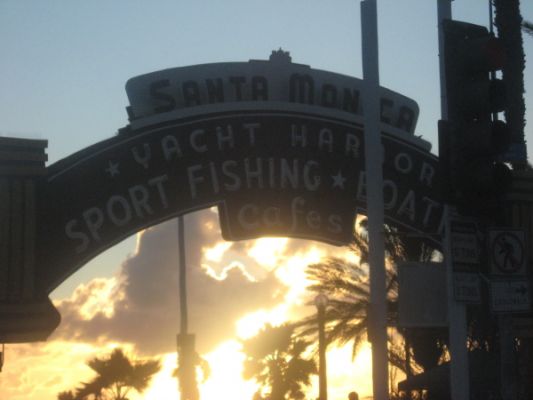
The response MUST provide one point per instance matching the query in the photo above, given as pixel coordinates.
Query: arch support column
(24, 315)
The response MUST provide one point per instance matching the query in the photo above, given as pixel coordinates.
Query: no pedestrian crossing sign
(507, 252)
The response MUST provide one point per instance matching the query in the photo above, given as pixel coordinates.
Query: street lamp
(321, 302)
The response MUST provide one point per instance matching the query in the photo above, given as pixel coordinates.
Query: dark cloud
(146, 306)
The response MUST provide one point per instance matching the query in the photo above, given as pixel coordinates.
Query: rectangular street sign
(510, 296)
(464, 248)
(466, 288)
(464, 245)
(422, 296)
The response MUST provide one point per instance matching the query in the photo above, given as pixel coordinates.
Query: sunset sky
(62, 75)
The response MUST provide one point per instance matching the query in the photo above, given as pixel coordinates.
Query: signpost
(257, 84)
(375, 203)
(464, 245)
(509, 287)
(270, 172)
(465, 261)
(509, 294)
(459, 372)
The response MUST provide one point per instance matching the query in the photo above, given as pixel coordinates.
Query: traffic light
(472, 140)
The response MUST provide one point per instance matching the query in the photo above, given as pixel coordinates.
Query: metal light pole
(184, 320)
(374, 200)
(321, 302)
(459, 370)
(187, 386)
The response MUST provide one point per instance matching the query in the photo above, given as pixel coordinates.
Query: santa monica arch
(276, 146)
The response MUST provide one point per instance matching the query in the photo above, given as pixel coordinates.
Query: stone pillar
(24, 315)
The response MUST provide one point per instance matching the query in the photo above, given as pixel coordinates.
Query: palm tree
(347, 287)
(116, 376)
(275, 359)
(509, 22)
(91, 390)
(67, 395)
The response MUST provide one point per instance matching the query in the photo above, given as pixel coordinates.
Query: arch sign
(278, 147)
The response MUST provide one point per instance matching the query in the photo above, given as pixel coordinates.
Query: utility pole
(184, 317)
(459, 369)
(374, 200)
(508, 22)
(509, 25)
(473, 142)
(444, 11)
(321, 302)
(187, 386)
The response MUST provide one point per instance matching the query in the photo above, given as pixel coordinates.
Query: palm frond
(347, 287)
(276, 360)
(527, 27)
(117, 373)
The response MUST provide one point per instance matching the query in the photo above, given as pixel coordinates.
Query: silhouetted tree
(508, 21)
(202, 370)
(347, 286)
(275, 359)
(527, 27)
(116, 376)
(67, 395)
(91, 390)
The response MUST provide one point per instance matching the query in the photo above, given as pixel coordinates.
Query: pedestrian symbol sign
(507, 252)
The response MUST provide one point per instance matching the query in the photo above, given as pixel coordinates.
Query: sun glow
(216, 252)
(286, 262)
(346, 374)
(292, 274)
(164, 385)
(268, 251)
(41, 370)
(251, 323)
(224, 382)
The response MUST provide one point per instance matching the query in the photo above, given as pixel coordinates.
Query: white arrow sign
(510, 296)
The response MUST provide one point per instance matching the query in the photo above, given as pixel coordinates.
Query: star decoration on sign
(112, 169)
(338, 180)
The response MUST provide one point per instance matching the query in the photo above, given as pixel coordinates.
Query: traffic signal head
(472, 179)
(471, 53)
(475, 139)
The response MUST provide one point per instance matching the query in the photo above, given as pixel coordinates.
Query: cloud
(141, 305)
(41, 370)
(138, 309)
